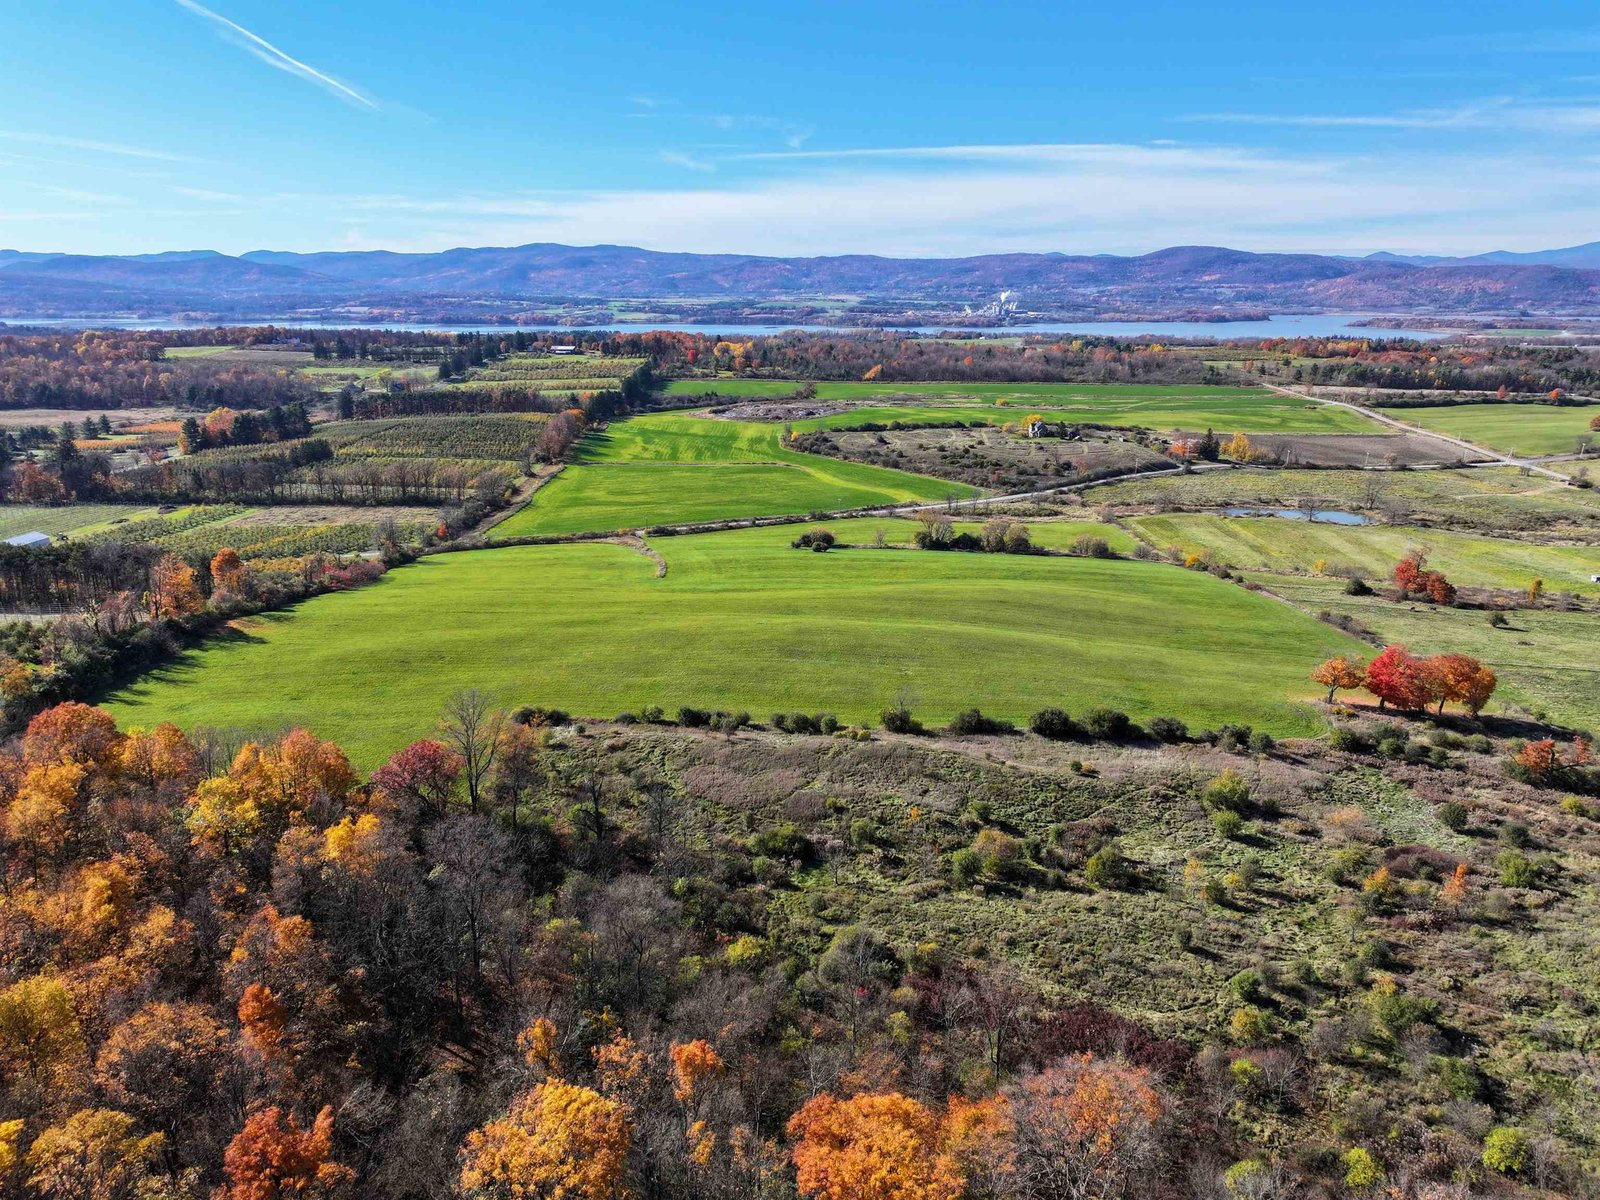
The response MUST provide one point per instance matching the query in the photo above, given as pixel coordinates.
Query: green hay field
(1279, 544)
(669, 468)
(1155, 406)
(1526, 429)
(741, 621)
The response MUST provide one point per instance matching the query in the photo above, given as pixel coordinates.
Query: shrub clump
(898, 719)
(1109, 725)
(1055, 724)
(819, 540)
(970, 722)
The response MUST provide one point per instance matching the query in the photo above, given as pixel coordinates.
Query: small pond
(1332, 516)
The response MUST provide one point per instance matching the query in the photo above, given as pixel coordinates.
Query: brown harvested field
(159, 428)
(121, 419)
(987, 457)
(1360, 449)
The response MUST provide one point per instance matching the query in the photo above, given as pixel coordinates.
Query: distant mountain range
(525, 282)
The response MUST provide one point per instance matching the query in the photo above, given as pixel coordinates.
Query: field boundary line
(1385, 419)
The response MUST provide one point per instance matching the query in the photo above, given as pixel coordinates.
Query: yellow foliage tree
(39, 818)
(559, 1142)
(93, 1154)
(40, 1037)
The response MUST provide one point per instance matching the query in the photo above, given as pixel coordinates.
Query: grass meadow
(741, 621)
(670, 468)
(1526, 429)
(1278, 544)
(1155, 406)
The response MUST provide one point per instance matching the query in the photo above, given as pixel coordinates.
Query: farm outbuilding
(32, 540)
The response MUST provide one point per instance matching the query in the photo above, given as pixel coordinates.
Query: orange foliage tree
(273, 1158)
(71, 732)
(872, 1147)
(1085, 1127)
(173, 590)
(1340, 672)
(559, 1142)
(228, 571)
(1460, 679)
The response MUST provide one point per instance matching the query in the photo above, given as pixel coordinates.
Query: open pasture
(1153, 406)
(591, 628)
(670, 468)
(1280, 544)
(1521, 429)
(1545, 658)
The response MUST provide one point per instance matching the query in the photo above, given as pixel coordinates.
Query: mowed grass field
(1524, 429)
(672, 468)
(741, 621)
(1154, 406)
(1279, 544)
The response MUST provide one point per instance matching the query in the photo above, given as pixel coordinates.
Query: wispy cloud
(274, 57)
(1498, 112)
(94, 147)
(690, 162)
(957, 200)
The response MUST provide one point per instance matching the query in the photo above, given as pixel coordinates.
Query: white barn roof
(33, 539)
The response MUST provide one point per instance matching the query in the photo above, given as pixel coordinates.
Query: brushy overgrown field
(1280, 544)
(1492, 499)
(1509, 428)
(1155, 406)
(741, 621)
(668, 468)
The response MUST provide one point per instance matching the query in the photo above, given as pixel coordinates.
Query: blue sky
(132, 126)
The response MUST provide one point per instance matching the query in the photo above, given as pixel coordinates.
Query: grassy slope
(1545, 659)
(663, 468)
(1254, 410)
(742, 621)
(1274, 543)
(1518, 428)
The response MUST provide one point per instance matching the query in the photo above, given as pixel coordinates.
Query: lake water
(1296, 325)
(1331, 516)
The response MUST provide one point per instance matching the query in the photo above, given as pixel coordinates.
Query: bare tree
(474, 730)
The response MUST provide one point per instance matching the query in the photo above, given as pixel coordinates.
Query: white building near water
(32, 540)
